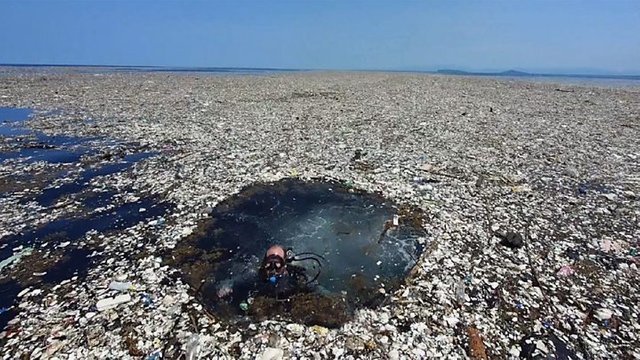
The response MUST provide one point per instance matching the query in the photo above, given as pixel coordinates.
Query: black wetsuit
(249, 283)
(293, 282)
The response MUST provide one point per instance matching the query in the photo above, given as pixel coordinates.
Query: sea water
(343, 228)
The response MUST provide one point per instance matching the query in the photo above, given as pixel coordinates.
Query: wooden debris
(477, 350)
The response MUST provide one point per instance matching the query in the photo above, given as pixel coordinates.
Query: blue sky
(551, 36)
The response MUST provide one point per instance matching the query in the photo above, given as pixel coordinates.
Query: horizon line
(442, 71)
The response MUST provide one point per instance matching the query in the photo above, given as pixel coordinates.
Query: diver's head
(274, 263)
(276, 250)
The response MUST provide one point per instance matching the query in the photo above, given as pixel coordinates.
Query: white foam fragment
(110, 303)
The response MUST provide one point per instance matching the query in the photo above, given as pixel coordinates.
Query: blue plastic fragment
(273, 279)
(583, 189)
(147, 300)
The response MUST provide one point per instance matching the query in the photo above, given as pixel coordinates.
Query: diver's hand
(224, 291)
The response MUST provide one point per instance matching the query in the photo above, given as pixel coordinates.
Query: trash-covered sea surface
(351, 246)
(135, 209)
(47, 173)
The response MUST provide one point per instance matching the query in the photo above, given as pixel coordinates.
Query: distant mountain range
(516, 73)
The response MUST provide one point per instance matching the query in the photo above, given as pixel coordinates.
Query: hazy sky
(553, 35)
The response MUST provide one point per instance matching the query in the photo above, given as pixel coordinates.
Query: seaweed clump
(305, 308)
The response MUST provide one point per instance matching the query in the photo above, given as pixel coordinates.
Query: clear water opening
(365, 246)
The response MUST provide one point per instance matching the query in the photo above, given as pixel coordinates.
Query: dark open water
(67, 177)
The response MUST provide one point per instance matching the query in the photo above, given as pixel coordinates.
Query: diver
(280, 274)
(281, 271)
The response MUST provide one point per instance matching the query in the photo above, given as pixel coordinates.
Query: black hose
(309, 258)
(307, 253)
(315, 277)
(319, 267)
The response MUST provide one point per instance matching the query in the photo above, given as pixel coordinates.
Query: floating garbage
(603, 314)
(15, 257)
(110, 303)
(460, 293)
(193, 347)
(146, 299)
(121, 286)
(24, 145)
(348, 244)
(62, 230)
(477, 349)
(59, 172)
(271, 354)
(52, 194)
(314, 124)
(566, 270)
